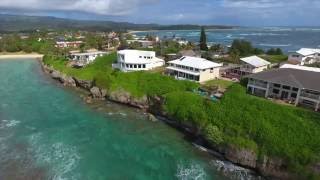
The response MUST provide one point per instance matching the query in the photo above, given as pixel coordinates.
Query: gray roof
(291, 77)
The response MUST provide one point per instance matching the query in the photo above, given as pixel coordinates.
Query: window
(276, 85)
(295, 89)
(286, 87)
(140, 56)
(127, 65)
(135, 66)
(197, 70)
(144, 66)
(131, 66)
(139, 66)
(275, 91)
(294, 95)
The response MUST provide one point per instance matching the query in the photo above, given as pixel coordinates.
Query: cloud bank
(102, 7)
(232, 12)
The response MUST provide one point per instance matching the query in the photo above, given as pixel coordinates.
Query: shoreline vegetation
(275, 140)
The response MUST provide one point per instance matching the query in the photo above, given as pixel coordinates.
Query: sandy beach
(18, 56)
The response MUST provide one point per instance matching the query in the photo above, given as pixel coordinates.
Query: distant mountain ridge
(12, 23)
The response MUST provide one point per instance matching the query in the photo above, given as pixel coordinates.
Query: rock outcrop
(85, 84)
(240, 156)
(125, 97)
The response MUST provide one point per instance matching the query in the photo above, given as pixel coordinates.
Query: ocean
(287, 38)
(48, 132)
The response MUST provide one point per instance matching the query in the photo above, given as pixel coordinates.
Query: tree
(279, 51)
(235, 56)
(273, 51)
(203, 40)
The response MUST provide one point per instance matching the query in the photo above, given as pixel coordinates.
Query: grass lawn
(222, 84)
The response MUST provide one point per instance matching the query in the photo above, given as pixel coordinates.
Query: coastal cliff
(269, 167)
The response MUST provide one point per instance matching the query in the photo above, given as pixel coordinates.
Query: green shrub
(213, 134)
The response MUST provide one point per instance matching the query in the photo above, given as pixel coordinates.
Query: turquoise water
(47, 132)
(286, 38)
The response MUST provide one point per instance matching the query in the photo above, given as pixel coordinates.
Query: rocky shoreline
(268, 167)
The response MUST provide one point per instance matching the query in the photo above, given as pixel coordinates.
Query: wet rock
(152, 118)
(88, 100)
(103, 92)
(95, 92)
(56, 75)
(69, 81)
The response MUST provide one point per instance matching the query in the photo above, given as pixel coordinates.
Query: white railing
(310, 96)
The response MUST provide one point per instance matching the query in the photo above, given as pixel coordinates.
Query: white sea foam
(61, 158)
(262, 34)
(8, 123)
(190, 172)
(123, 114)
(275, 45)
(233, 171)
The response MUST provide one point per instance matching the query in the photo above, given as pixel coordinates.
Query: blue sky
(225, 12)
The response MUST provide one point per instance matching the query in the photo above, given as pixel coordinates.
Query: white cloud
(103, 7)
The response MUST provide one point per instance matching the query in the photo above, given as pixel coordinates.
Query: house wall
(209, 74)
(259, 69)
(295, 57)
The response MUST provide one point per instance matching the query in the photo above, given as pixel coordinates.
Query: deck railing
(310, 96)
(259, 84)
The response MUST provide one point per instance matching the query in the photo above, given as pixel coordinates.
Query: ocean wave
(307, 29)
(233, 171)
(193, 34)
(275, 45)
(192, 171)
(8, 123)
(61, 158)
(262, 34)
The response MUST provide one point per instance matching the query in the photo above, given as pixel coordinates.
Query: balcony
(310, 96)
(258, 84)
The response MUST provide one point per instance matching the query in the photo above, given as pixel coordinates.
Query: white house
(248, 65)
(82, 59)
(253, 64)
(193, 68)
(68, 44)
(136, 60)
(305, 56)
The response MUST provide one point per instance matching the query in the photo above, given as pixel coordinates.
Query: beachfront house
(68, 44)
(82, 59)
(294, 84)
(136, 60)
(248, 65)
(304, 56)
(194, 69)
